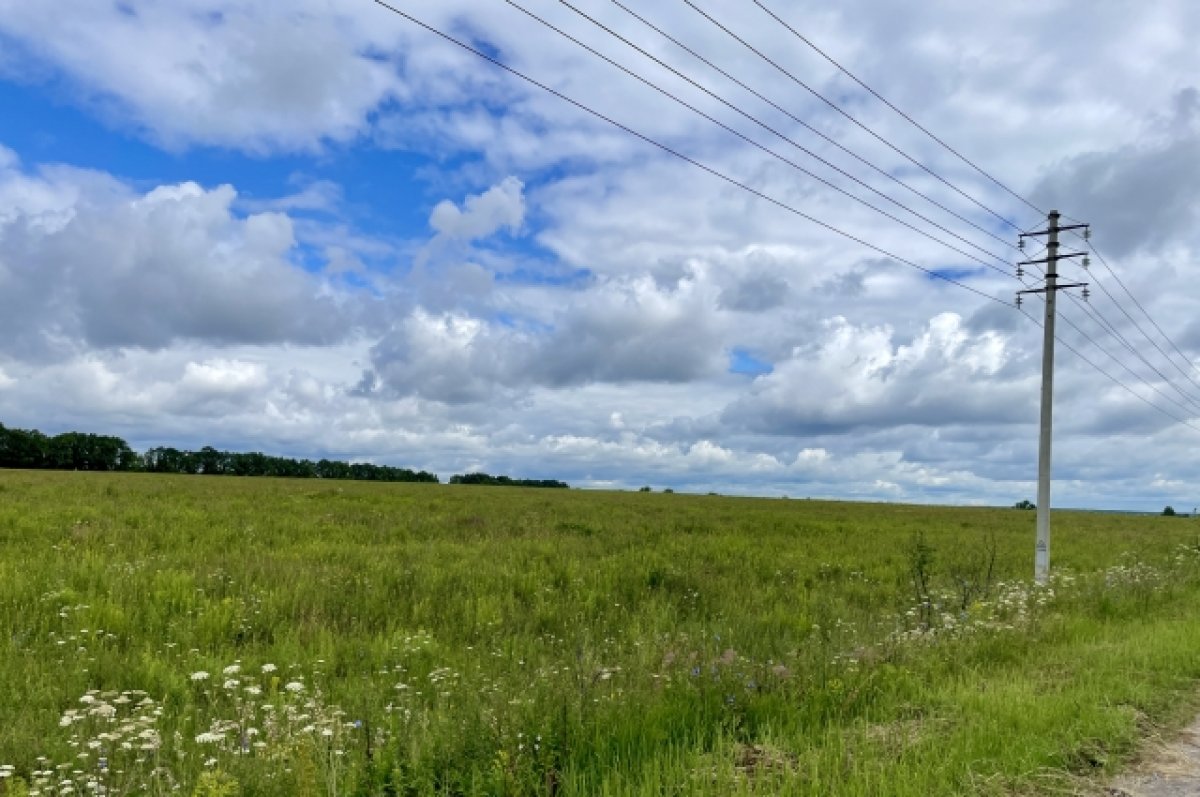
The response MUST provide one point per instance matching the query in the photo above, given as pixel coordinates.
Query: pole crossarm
(1055, 230)
(1052, 258)
(1058, 287)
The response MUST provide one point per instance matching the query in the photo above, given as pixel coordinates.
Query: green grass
(473, 640)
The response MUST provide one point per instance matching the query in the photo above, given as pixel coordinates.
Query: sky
(317, 229)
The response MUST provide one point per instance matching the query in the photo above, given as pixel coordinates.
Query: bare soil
(1170, 770)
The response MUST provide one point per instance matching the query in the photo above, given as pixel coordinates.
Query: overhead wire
(1191, 363)
(933, 273)
(1093, 312)
(847, 115)
(885, 101)
(1104, 325)
(1112, 378)
(762, 147)
(1058, 338)
(815, 131)
(1194, 409)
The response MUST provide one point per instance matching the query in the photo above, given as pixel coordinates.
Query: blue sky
(315, 229)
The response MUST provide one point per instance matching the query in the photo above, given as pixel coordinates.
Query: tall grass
(209, 635)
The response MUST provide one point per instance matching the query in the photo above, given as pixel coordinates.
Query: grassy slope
(580, 643)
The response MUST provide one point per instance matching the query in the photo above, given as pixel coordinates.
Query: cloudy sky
(313, 228)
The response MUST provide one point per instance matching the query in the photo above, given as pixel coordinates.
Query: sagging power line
(783, 159)
(932, 273)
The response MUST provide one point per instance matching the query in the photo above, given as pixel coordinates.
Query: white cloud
(618, 331)
(502, 205)
(247, 75)
(86, 260)
(228, 378)
(860, 376)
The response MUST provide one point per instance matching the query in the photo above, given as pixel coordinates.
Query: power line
(855, 121)
(1149, 317)
(1097, 317)
(1053, 286)
(762, 147)
(882, 99)
(1110, 377)
(1134, 374)
(1108, 327)
(676, 153)
(806, 125)
(1138, 326)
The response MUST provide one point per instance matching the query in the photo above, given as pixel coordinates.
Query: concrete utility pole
(1041, 558)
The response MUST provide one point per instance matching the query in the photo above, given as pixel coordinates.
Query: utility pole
(1041, 557)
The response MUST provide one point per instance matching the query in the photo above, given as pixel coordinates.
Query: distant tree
(22, 449)
(82, 451)
(1026, 504)
(505, 481)
(645, 489)
(668, 490)
(1169, 512)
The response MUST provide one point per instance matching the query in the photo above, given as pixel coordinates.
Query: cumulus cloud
(621, 331)
(502, 205)
(861, 376)
(1142, 194)
(755, 294)
(86, 260)
(247, 75)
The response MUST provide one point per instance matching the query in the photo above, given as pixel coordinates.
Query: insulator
(1019, 300)
(1086, 294)
(1087, 233)
(1020, 272)
(1087, 261)
(1021, 243)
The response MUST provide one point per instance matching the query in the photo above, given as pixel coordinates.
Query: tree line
(21, 448)
(505, 481)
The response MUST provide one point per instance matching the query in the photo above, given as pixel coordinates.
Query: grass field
(222, 636)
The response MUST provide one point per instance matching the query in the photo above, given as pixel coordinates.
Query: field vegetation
(211, 636)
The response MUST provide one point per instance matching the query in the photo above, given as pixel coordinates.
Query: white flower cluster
(117, 739)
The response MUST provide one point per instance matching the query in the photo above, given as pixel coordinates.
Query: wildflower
(200, 675)
(294, 686)
(232, 669)
(269, 668)
(231, 683)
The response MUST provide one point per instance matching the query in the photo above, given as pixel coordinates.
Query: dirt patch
(1171, 769)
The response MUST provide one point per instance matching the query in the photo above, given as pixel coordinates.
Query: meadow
(214, 636)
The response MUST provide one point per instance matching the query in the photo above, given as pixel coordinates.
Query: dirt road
(1172, 771)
